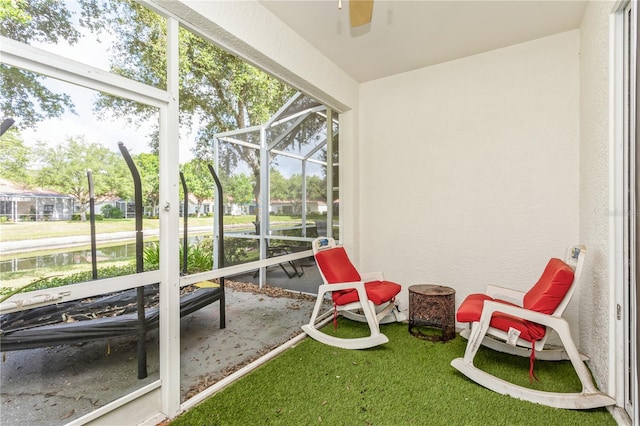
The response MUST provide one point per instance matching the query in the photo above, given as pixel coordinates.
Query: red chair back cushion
(336, 266)
(548, 292)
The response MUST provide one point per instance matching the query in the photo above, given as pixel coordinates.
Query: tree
(14, 157)
(199, 181)
(218, 90)
(64, 169)
(149, 169)
(240, 189)
(316, 188)
(22, 93)
(279, 186)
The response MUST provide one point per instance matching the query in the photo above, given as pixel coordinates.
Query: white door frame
(623, 166)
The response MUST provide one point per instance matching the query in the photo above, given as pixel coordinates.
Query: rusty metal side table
(432, 306)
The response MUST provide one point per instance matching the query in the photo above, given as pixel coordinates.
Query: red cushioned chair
(366, 298)
(517, 323)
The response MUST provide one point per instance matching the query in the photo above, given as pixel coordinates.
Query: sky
(106, 131)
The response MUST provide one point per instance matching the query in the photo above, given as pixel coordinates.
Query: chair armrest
(507, 294)
(341, 286)
(490, 307)
(357, 285)
(372, 276)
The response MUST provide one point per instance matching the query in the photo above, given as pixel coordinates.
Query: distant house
(205, 208)
(233, 209)
(208, 207)
(127, 208)
(292, 207)
(19, 204)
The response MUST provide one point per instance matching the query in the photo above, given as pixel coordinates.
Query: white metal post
(169, 234)
(264, 201)
(329, 173)
(304, 196)
(216, 202)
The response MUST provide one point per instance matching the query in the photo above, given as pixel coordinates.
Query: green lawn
(17, 231)
(407, 381)
(33, 230)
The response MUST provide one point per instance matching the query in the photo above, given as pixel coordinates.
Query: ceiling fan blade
(360, 12)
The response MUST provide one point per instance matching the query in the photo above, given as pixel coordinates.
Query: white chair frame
(481, 333)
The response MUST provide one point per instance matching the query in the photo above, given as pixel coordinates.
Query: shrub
(111, 212)
(78, 277)
(235, 250)
(106, 210)
(151, 256)
(76, 217)
(116, 213)
(200, 254)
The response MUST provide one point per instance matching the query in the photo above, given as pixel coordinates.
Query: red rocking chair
(365, 298)
(517, 323)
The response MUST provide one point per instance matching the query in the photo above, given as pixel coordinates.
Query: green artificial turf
(407, 381)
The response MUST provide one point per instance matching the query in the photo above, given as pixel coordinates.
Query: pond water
(68, 256)
(74, 256)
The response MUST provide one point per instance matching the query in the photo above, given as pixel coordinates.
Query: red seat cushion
(337, 268)
(471, 309)
(544, 296)
(378, 292)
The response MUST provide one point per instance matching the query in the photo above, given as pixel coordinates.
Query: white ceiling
(407, 35)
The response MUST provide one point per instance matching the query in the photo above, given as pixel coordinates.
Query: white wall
(594, 192)
(470, 169)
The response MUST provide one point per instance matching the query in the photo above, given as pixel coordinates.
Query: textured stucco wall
(594, 190)
(470, 169)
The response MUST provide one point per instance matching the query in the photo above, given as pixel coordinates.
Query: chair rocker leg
(391, 314)
(555, 354)
(354, 343)
(376, 338)
(386, 314)
(573, 401)
(588, 398)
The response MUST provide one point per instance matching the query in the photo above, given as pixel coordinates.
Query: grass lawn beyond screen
(17, 231)
(407, 381)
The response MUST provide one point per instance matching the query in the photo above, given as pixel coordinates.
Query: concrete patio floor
(55, 385)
